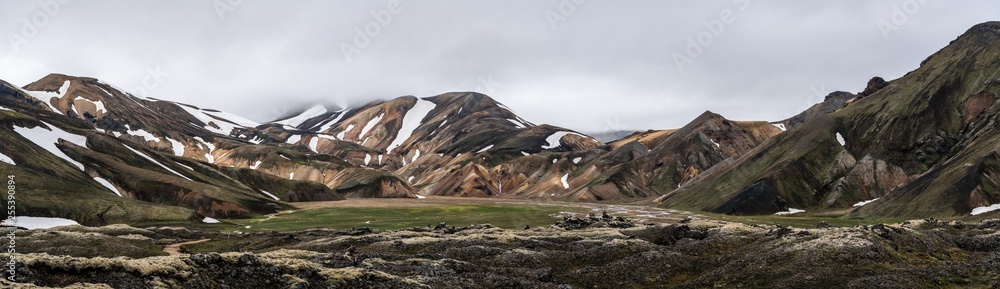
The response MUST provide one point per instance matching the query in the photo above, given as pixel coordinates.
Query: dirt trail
(175, 249)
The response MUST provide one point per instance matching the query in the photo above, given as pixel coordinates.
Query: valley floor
(397, 213)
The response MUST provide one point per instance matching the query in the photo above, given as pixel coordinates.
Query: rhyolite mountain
(923, 145)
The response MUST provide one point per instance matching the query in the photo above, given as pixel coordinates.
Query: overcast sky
(586, 65)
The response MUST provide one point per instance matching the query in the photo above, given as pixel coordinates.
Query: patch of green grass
(390, 218)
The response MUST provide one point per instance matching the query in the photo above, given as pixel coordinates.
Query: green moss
(388, 218)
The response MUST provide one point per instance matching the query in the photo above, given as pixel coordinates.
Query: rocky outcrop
(692, 254)
(831, 103)
(363, 183)
(874, 85)
(976, 105)
(577, 142)
(472, 180)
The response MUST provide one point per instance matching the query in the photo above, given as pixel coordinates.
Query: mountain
(85, 150)
(649, 164)
(115, 157)
(454, 144)
(923, 145)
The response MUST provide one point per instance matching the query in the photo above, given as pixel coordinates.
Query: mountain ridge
(921, 145)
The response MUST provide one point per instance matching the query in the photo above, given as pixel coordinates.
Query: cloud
(590, 66)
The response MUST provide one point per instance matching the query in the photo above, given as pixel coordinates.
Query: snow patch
(297, 120)
(780, 126)
(524, 153)
(238, 120)
(564, 182)
(416, 155)
(576, 160)
(145, 135)
(46, 96)
(485, 149)
(555, 160)
(210, 147)
(313, 142)
(293, 139)
(368, 159)
(108, 184)
(32, 223)
(6, 159)
(371, 124)
(411, 120)
(862, 203)
(255, 165)
(156, 162)
(342, 133)
(270, 195)
(97, 103)
(177, 146)
(328, 125)
(987, 209)
(410, 179)
(841, 140)
(380, 159)
(553, 139)
(47, 139)
(226, 122)
(420, 197)
(789, 212)
(208, 220)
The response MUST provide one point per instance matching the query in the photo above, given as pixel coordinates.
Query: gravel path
(175, 249)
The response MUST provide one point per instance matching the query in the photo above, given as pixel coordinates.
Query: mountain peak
(709, 115)
(988, 29)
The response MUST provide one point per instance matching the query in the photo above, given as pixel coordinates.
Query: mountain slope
(140, 161)
(439, 143)
(676, 157)
(908, 143)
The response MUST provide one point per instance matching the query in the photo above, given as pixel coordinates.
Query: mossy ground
(800, 221)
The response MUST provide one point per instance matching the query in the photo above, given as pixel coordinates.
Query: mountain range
(922, 145)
